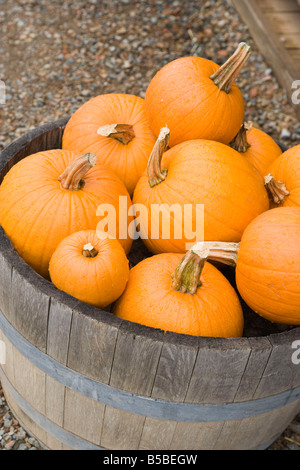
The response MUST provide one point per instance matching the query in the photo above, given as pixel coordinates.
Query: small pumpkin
(91, 266)
(197, 99)
(183, 294)
(283, 178)
(191, 176)
(257, 146)
(51, 194)
(113, 126)
(267, 264)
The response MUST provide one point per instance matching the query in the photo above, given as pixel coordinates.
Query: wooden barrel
(77, 377)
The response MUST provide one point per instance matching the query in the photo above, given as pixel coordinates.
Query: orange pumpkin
(197, 99)
(91, 266)
(51, 194)
(267, 264)
(189, 177)
(257, 146)
(283, 178)
(183, 294)
(114, 128)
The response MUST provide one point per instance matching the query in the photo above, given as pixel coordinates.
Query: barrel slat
(59, 325)
(26, 422)
(30, 382)
(8, 259)
(196, 436)
(157, 434)
(280, 373)
(136, 359)
(8, 365)
(121, 429)
(134, 368)
(175, 368)
(92, 342)
(55, 401)
(58, 335)
(260, 352)
(30, 305)
(250, 433)
(174, 371)
(83, 416)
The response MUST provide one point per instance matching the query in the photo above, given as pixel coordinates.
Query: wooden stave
(159, 356)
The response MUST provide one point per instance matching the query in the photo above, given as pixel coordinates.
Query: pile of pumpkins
(184, 144)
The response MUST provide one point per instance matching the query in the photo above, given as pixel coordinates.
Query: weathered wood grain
(59, 325)
(92, 341)
(280, 373)
(134, 368)
(280, 6)
(218, 370)
(30, 304)
(259, 354)
(175, 368)
(267, 28)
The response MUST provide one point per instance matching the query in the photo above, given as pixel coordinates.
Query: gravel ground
(56, 55)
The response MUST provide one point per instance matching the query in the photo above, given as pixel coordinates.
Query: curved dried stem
(276, 189)
(226, 75)
(155, 174)
(124, 133)
(224, 252)
(240, 142)
(72, 178)
(186, 277)
(89, 251)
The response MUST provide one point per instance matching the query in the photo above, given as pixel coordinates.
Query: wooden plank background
(275, 28)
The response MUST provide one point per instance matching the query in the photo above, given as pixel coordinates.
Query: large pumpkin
(183, 294)
(283, 178)
(197, 99)
(91, 266)
(114, 127)
(267, 264)
(51, 194)
(257, 146)
(190, 180)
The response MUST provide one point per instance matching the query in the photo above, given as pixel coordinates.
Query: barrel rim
(105, 316)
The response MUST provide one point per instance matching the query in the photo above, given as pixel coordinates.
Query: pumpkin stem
(89, 251)
(240, 142)
(72, 177)
(124, 133)
(276, 189)
(224, 252)
(186, 277)
(155, 174)
(226, 75)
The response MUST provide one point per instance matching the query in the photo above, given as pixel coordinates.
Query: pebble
(57, 55)
(12, 435)
(285, 134)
